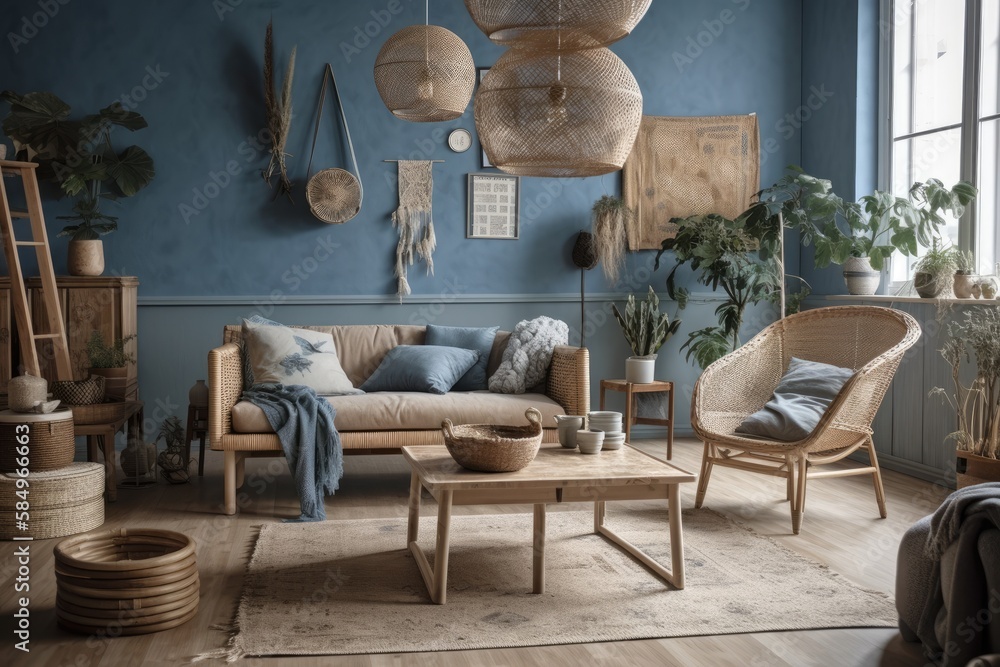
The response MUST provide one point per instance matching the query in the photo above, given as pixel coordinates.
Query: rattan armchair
(869, 340)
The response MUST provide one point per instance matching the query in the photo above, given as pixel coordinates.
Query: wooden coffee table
(557, 475)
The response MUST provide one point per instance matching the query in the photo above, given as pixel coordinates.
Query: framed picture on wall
(494, 200)
(484, 161)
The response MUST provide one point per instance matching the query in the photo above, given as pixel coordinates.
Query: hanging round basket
(557, 24)
(558, 114)
(334, 195)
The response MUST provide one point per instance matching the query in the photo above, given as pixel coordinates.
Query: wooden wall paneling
(908, 396)
(938, 418)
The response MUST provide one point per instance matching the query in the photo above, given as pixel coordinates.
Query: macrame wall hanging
(414, 221)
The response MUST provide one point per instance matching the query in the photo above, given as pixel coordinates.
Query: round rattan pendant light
(557, 24)
(573, 113)
(425, 73)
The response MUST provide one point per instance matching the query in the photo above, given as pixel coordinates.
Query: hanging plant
(279, 117)
(610, 239)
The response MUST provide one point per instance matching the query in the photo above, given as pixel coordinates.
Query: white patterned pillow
(283, 355)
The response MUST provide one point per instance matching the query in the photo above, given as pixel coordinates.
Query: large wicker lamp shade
(425, 73)
(558, 114)
(557, 24)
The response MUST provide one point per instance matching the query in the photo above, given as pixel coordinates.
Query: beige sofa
(382, 422)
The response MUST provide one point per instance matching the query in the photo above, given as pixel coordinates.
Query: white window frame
(970, 124)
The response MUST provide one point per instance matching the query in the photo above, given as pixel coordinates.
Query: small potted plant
(77, 155)
(172, 460)
(646, 329)
(934, 271)
(965, 264)
(111, 361)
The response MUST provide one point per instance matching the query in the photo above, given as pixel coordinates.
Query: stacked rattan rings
(127, 581)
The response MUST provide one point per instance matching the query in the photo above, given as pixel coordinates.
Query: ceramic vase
(198, 395)
(86, 258)
(24, 391)
(963, 285)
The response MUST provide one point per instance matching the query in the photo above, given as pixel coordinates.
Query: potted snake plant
(646, 329)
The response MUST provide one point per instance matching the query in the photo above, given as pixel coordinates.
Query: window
(944, 112)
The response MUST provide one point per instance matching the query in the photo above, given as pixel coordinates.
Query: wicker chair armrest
(225, 381)
(568, 382)
(738, 384)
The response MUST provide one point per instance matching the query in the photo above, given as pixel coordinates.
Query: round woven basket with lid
(49, 442)
(494, 448)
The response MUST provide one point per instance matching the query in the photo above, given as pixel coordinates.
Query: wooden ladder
(56, 331)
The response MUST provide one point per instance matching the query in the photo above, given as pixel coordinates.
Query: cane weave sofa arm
(225, 381)
(569, 379)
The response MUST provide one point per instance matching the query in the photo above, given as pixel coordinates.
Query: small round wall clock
(460, 140)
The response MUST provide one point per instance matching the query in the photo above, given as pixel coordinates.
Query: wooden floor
(841, 528)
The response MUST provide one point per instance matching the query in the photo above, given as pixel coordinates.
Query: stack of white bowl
(611, 424)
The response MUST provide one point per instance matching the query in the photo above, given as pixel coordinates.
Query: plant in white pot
(77, 155)
(965, 265)
(646, 329)
(877, 225)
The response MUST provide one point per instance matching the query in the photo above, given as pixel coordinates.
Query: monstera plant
(646, 329)
(79, 157)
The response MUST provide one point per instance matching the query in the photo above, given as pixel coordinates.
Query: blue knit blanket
(304, 424)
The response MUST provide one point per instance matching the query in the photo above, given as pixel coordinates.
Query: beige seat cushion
(385, 411)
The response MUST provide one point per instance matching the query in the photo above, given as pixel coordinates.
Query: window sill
(888, 298)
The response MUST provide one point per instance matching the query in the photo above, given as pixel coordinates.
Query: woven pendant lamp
(557, 24)
(425, 73)
(558, 114)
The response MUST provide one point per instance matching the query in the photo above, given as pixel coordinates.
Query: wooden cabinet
(100, 303)
(6, 338)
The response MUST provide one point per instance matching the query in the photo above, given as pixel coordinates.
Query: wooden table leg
(413, 522)
(602, 395)
(670, 426)
(538, 551)
(628, 412)
(107, 442)
(201, 456)
(440, 592)
(676, 536)
(92, 448)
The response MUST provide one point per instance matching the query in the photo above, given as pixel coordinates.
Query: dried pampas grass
(610, 239)
(279, 116)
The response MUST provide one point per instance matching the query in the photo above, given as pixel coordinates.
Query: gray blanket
(304, 424)
(960, 520)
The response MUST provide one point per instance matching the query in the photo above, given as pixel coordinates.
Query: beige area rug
(346, 587)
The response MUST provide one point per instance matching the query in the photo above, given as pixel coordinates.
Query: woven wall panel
(688, 166)
(552, 24)
(425, 73)
(558, 114)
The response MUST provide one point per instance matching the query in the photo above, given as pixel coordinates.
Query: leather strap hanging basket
(334, 195)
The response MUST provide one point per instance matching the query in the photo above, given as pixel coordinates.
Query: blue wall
(204, 109)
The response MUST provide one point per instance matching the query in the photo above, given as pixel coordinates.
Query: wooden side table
(103, 435)
(630, 417)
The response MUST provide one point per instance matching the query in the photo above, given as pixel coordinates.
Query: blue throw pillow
(805, 392)
(429, 368)
(469, 338)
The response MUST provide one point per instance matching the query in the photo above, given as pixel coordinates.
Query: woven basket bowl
(79, 392)
(143, 580)
(50, 440)
(492, 448)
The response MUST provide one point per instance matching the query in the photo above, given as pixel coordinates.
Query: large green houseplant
(79, 157)
(646, 329)
(860, 235)
(737, 256)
